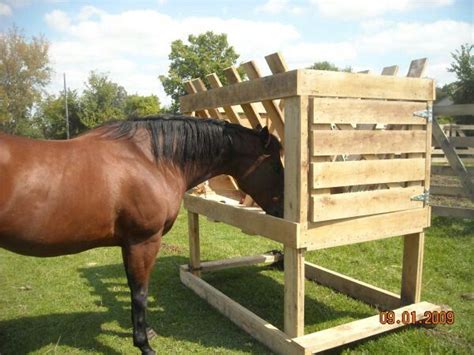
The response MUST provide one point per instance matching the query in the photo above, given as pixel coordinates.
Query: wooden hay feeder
(357, 169)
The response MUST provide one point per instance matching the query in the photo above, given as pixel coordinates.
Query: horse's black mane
(181, 139)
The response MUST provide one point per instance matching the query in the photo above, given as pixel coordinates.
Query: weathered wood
(294, 292)
(260, 329)
(453, 110)
(359, 329)
(191, 89)
(357, 289)
(276, 62)
(194, 244)
(448, 171)
(346, 205)
(340, 84)
(230, 112)
(456, 212)
(413, 246)
(330, 234)
(462, 141)
(215, 265)
(350, 173)
(454, 160)
(367, 142)
(200, 87)
(392, 70)
(354, 111)
(456, 191)
(252, 220)
(417, 68)
(273, 111)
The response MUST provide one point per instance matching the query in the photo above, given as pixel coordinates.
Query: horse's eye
(275, 199)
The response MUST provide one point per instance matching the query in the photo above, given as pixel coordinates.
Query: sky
(130, 40)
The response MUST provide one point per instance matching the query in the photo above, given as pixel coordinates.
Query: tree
(24, 73)
(206, 53)
(462, 91)
(136, 105)
(50, 116)
(102, 100)
(325, 65)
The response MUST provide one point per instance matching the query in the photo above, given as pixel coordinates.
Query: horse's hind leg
(139, 260)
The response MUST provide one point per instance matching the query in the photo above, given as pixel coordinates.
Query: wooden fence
(453, 156)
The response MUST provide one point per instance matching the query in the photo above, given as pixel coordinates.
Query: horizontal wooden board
(456, 191)
(359, 329)
(457, 212)
(447, 171)
(370, 86)
(329, 234)
(454, 110)
(355, 111)
(367, 142)
(460, 142)
(266, 88)
(365, 172)
(337, 206)
(252, 221)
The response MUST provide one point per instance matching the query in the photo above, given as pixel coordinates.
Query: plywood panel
(367, 142)
(349, 173)
(327, 110)
(364, 203)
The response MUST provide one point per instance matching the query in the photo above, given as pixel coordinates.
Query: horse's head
(259, 171)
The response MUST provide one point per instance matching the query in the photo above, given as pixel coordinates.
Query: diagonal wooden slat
(273, 111)
(230, 112)
(200, 87)
(253, 116)
(191, 89)
(417, 68)
(277, 64)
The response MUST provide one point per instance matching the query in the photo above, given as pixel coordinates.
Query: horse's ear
(265, 136)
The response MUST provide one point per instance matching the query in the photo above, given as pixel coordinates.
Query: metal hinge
(424, 197)
(427, 114)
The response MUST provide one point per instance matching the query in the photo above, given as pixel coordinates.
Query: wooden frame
(339, 188)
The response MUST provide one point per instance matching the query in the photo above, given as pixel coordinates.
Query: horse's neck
(200, 171)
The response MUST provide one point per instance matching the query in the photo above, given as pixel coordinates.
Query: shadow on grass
(175, 312)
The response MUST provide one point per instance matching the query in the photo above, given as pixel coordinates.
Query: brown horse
(122, 184)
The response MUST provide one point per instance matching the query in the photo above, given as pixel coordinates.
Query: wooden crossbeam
(230, 112)
(200, 87)
(191, 89)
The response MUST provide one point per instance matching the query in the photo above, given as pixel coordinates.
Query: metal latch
(424, 197)
(427, 114)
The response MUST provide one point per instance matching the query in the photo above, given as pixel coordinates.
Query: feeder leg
(413, 245)
(294, 292)
(194, 247)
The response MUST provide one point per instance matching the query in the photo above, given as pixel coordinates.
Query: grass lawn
(79, 304)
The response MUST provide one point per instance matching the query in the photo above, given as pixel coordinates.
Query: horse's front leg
(139, 259)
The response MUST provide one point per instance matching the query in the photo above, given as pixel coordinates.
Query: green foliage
(102, 100)
(206, 53)
(50, 116)
(24, 73)
(136, 105)
(325, 65)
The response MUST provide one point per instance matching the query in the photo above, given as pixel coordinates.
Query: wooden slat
(251, 113)
(456, 212)
(392, 70)
(345, 205)
(454, 110)
(194, 244)
(260, 329)
(417, 68)
(457, 191)
(191, 89)
(294, 292)
(362, 229)
(448, 171)
(276, 62)
(200, 87)
(459, 142)
(357, 289)
(351, 111)
(240, 261)
(351, 173)
(273, 111)
(254, 222)
(339, 84)
(230, 112)
(412, 267)
(454, 160)
(367, 142)
(359, 329)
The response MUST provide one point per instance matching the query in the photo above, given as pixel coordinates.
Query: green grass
(79, 304)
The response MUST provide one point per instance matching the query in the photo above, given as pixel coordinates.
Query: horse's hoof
(148, 351)
(150, 333)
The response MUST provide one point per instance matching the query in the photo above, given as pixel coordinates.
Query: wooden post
(413, 245)
(194, 247)
(294, 292)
